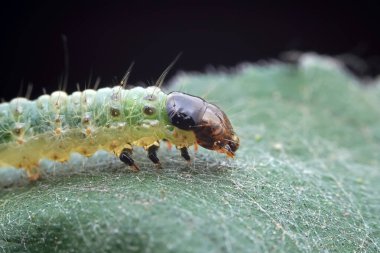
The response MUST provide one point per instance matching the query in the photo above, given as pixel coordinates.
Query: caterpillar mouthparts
(112, 119)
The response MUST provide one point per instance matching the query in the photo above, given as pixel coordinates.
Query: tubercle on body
(112, 119)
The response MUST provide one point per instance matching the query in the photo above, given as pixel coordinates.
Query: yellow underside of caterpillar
(58, 146)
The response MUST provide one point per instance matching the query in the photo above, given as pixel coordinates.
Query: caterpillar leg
(126, 157)
(169, 145)
(152, 154)
(185, 154)
(195, 146)
(33, 174)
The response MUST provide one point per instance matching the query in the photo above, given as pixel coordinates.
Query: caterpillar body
(113, 119)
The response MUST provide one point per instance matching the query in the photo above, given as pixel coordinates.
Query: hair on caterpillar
(161, 79)
(56, 126)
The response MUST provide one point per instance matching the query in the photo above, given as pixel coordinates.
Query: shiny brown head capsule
(209, 123)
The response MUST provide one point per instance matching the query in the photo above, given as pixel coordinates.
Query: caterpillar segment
(112, 119)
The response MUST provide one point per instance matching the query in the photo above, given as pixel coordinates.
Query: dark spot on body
(17, 131)
(149, 110)
(115, 112)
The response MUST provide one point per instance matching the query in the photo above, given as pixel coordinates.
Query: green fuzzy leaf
(306, 177)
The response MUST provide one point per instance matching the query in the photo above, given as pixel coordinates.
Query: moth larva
(113, 119)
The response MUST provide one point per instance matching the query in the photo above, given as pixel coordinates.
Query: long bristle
(124, 80)
(29, 90)
(161, 79)
(66, 63)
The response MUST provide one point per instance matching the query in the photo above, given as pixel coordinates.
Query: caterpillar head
(212, 128)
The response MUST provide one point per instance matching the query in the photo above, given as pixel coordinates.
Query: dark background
(103, 38)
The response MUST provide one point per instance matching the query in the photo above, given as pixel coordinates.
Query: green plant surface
(306, 177)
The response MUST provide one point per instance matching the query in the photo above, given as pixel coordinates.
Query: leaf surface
(306, 177)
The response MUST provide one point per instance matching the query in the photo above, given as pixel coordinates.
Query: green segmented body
(54, 126)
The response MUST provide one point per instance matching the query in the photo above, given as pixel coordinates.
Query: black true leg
(125, 157)
(152, 154)
(185, 154)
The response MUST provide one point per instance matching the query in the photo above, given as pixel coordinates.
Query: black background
(103, 38)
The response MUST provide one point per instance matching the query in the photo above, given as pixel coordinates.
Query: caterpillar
(112, 119)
